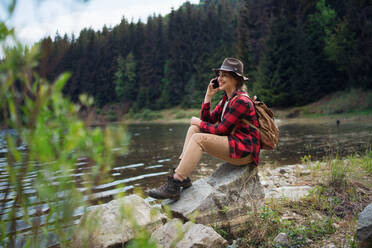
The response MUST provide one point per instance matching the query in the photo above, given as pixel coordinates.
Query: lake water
(154, 148)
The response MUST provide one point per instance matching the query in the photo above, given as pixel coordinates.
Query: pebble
(282, 239)
(317, 216)
(335, 225)
(331, 245)
(305, 173)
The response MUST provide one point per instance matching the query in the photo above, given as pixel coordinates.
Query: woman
(224, 133)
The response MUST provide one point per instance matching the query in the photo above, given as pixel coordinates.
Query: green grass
(350, 102)
(175, 114)
(267, 223)
(186, 114)
(339, 170)
(323, 215)
(143, 115)
(364, 160)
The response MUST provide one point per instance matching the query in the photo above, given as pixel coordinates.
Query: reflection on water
(154, 149)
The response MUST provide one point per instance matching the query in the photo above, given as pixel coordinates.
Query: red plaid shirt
(245, 139)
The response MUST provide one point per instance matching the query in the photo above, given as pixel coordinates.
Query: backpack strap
(244, 120)
(250, 124)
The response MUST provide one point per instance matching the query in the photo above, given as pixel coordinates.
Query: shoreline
(345, 106)
(164, 117)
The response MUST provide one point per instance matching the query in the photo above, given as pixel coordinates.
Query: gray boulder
(364, 230)
(111, 223)
(241, 180)
(223, 200)
(176, 234)
(199, 197)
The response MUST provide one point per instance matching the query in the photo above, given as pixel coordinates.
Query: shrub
(366, 161)
(148, 115)
(339, 170)
(36, 115)
(145, 115)
(180, 115)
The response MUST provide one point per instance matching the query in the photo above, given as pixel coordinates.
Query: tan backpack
(268, 129)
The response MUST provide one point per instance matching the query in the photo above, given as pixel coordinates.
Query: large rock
(364, 230)
(199, 197)
(242, 180)
(223, 200)
(111, 223)
(176, 234)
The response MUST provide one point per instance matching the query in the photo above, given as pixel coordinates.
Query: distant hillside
(348, 101)
(345, 103)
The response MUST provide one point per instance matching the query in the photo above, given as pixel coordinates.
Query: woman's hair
(241, 85)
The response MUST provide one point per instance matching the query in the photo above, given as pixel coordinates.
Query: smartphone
(215, 83)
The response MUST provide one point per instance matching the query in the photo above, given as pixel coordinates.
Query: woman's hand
(210, 91)
(195, 121)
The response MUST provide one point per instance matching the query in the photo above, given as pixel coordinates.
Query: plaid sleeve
(207, 116)
(236, 111)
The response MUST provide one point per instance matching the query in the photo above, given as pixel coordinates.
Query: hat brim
(225, 69)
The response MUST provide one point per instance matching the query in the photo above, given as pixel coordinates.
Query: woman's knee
(198, 138)
(194, 128)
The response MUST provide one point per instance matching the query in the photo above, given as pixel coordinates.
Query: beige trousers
(196, 143)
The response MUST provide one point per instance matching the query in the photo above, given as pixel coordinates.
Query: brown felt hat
(233, 65)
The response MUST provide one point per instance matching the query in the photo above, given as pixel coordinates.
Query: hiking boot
(171, 189)
(185, 183)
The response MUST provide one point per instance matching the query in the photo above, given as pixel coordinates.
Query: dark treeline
(295, 51)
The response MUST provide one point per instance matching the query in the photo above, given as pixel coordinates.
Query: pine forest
(294, 52)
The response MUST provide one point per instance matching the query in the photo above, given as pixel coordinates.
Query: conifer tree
(129, 92)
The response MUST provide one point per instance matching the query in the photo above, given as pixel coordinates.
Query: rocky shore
(214, 212)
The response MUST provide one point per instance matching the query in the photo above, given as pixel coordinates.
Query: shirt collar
(237, 92)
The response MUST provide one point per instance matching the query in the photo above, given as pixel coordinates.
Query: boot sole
(186, 186)
(174, 197)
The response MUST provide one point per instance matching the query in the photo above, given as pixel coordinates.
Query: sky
(35, 19)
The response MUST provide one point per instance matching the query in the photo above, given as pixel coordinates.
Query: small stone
(335, 225)
(282, 239)
(305, 173)
(288, 217)
(265, 184)
(233, 245)
(282, 171)
(309, 241)
(330, 245)
(317, 216)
